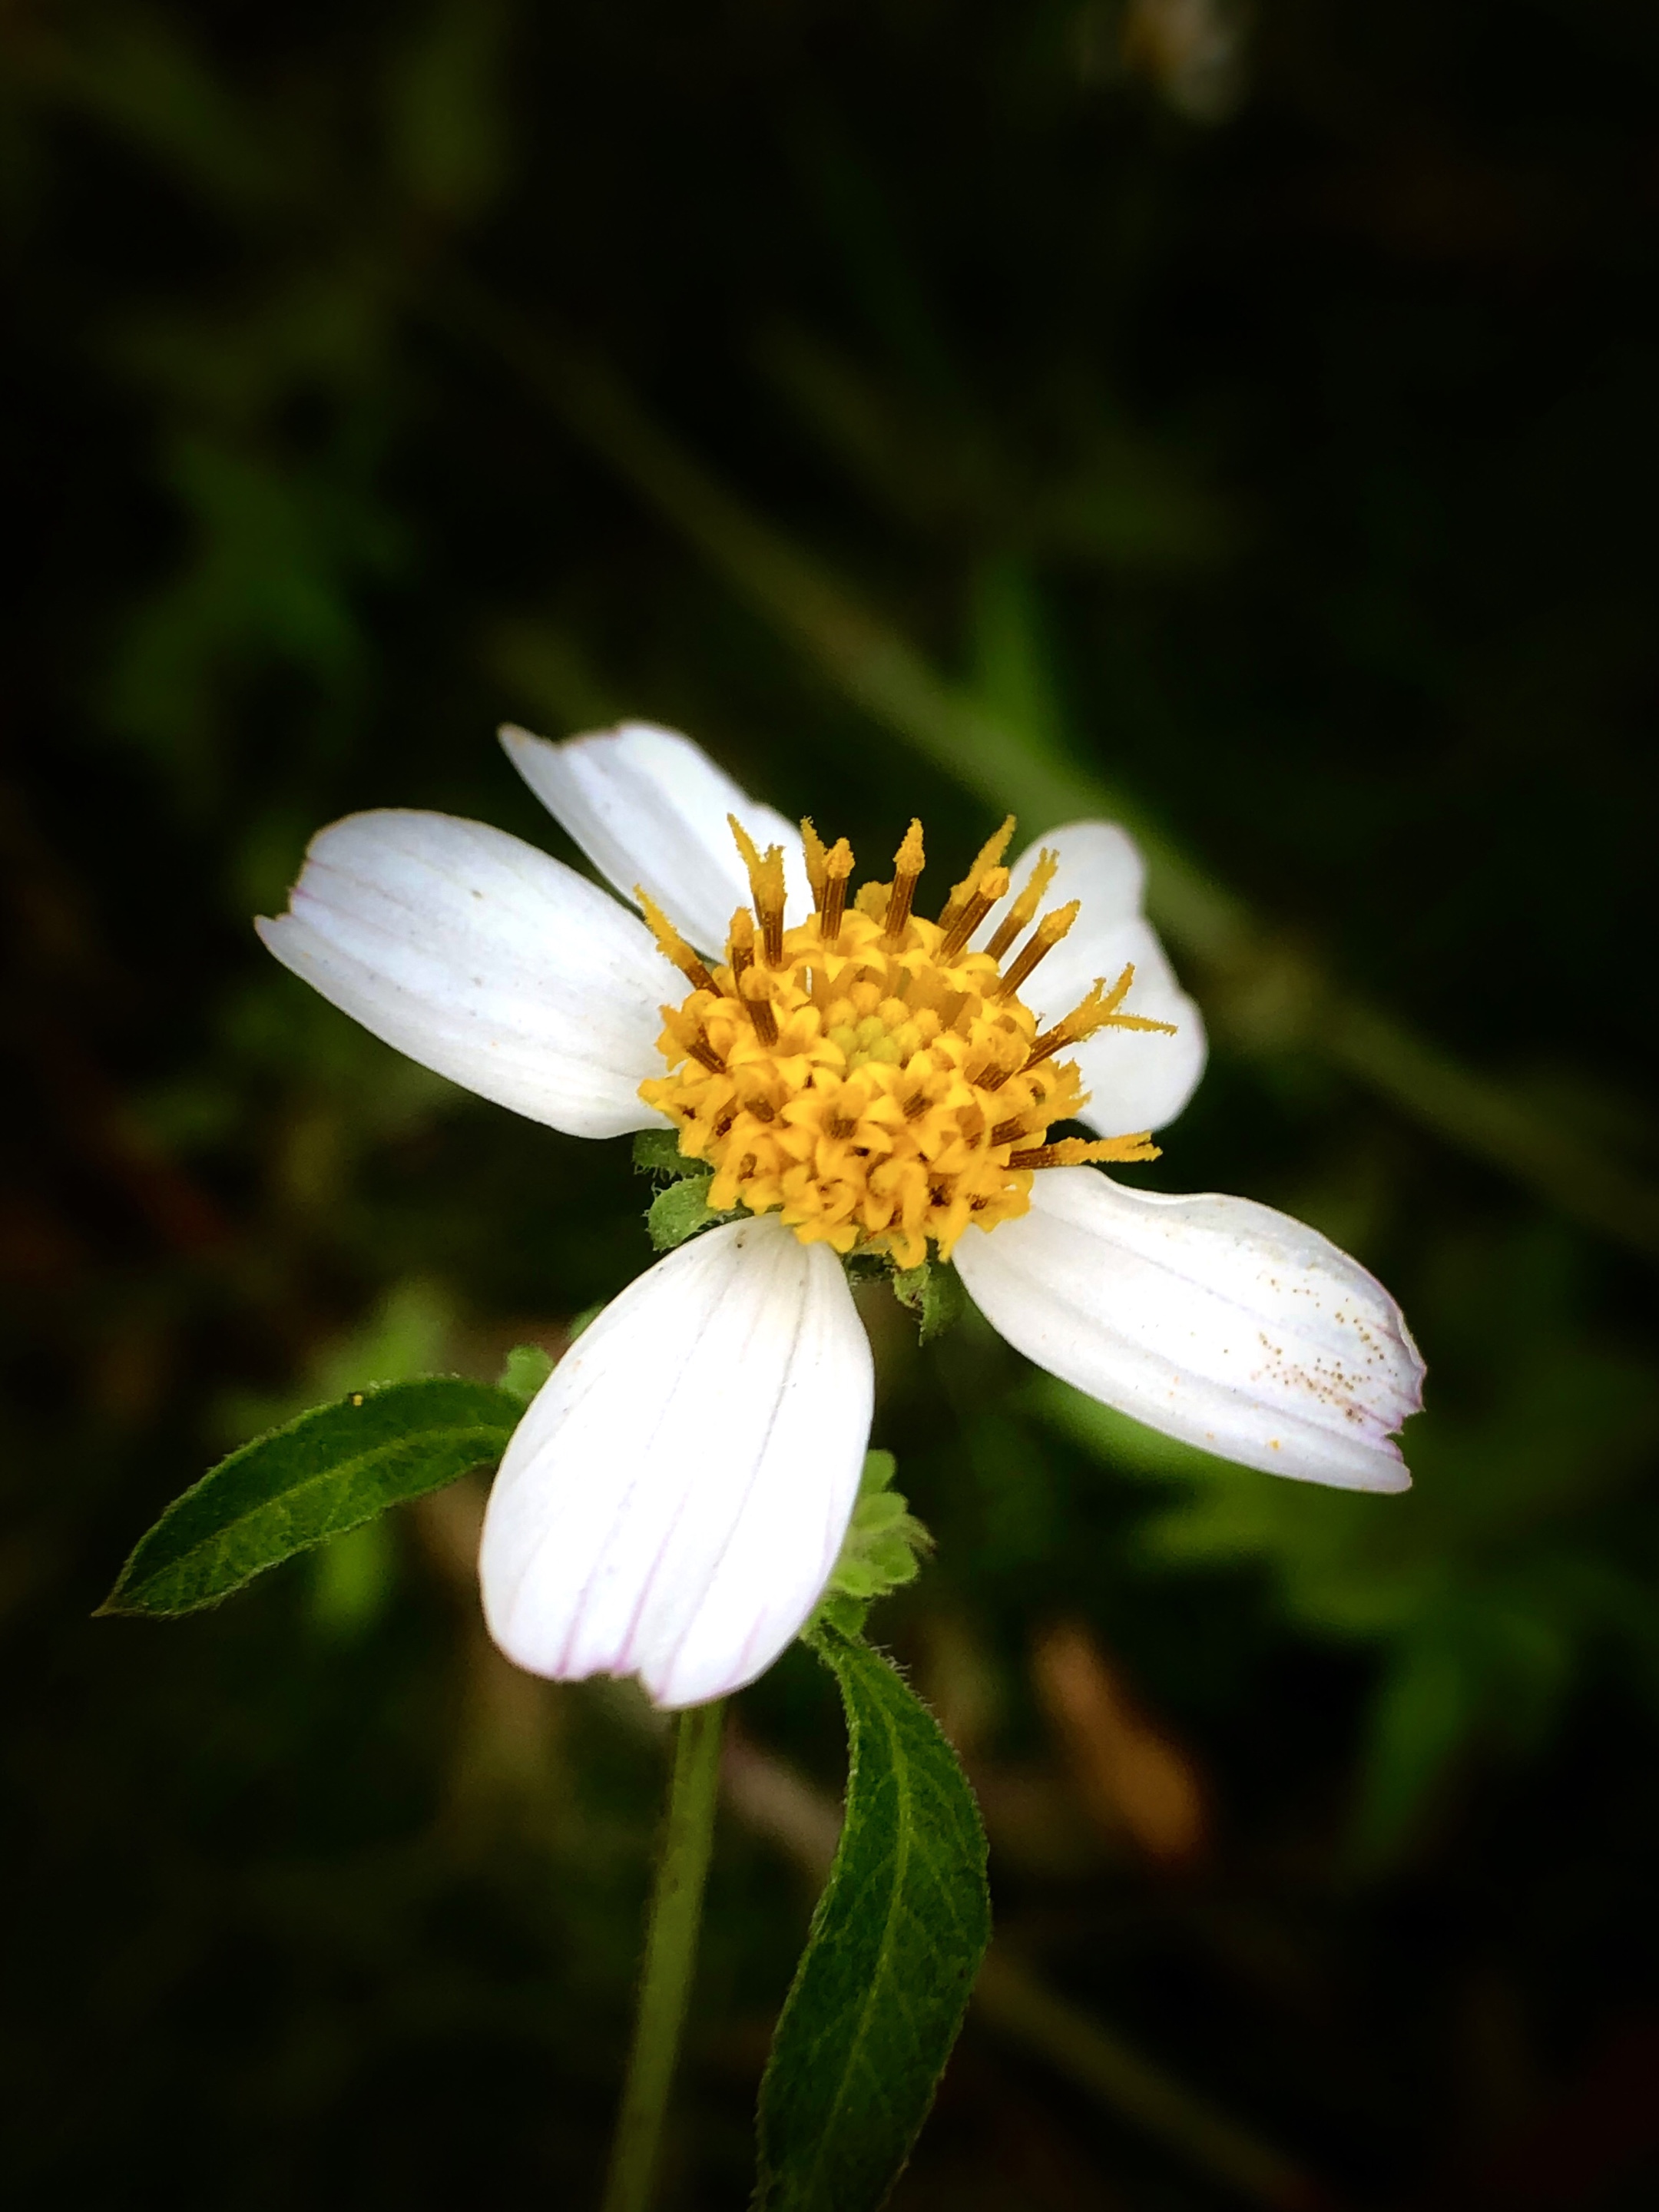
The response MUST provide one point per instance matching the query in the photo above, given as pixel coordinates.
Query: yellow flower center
(865, 1075)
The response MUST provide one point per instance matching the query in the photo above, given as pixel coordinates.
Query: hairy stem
(670, 1952)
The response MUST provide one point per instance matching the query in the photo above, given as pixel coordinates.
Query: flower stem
(671, 1952)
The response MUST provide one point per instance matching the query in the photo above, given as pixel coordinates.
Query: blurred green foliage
(930, 410)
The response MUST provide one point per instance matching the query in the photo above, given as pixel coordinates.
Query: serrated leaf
(881, 1551)
(657, 1151)
(934, 1293)
(329, 1470)
(897, 1940)
(680, 1212)
(526, 1369)
(877, 1472)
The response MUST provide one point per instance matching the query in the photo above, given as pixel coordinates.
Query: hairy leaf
(329, 1470)
(680, 1211)
(895, 1942)
(881, 1551)
(657, 1151)
(933, 1292)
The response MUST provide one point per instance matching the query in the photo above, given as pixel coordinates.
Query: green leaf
(932, 1292)
(657, 1151)
(895, 1942)
(679, 1211)
(330, 1470)
(527, 1368)
(881, 1551)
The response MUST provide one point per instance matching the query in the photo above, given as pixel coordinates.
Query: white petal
(1099, 864)
(485, 960)
(1215, 1320)
(673, 1502)
(649, 808)
(1137, 1078)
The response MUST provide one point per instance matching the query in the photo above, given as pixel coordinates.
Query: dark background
(1244, 420)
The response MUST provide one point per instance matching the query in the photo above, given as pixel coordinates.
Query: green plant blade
(894, 1944)
(329, 1470)
(934, 1294)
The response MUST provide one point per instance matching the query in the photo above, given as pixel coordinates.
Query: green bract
(934, 1293)
(881, 1551)
(681, 1210)
(657, 1151)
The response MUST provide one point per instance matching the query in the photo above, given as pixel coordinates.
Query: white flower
(857, 1078)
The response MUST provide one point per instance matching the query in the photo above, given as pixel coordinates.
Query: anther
(672, 946)
(994, 1072)
(988, 856)
(907, 865)
(1099, 1010)
(837, 868)
(818, 872)
(766, 885)
(1019, 915)
(1043, 938)
(1005, 1132)
(1079, 1152)
(692, 1039)
(758, 1007)
(967, 917)
(740, 947)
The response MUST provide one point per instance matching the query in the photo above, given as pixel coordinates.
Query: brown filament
(906, 874)
(986, 857)
(671, 944)
(818, 872)
(991, 886)
(1043, 939)
(838, 866)
(1019, 915)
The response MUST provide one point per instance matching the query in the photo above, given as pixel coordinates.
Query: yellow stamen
(740, 944)
(672, 946)
(690, 1036)
(837, 868)
(818, 869)
(1081, 1152)
(766, 887)
(1099, 1010)
(986, 857)
(966, 918)
(1018, 916)
(1047, 934)
(864, 1075)
(907, 865)
(759, 1006)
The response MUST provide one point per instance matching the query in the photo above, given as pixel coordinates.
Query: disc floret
(866, 1074)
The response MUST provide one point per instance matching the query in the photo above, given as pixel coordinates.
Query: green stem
(670, 1954)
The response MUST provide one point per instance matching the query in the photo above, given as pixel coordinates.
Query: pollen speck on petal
(1213, 1320)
